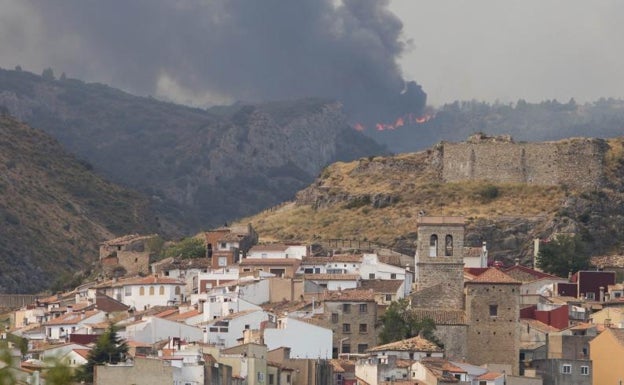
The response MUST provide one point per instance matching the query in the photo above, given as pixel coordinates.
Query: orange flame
(399, 122)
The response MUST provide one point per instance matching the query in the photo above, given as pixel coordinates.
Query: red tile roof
(454, 221)
(414, 344)
(350, 296)
(269, 262)
(332, 277)
(71, 318)
(494, 275)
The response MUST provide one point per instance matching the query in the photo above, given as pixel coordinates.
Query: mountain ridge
(201, 167)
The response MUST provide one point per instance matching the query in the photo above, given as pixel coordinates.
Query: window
(151, 290)
(346, 308)
(161, 290)
(223, 245)
(271, 379)
(585, 370)
(363, 308)
(222, 261)
(566, 369)
(142, 291)
(363, 328)
(618, 294)
(334, 317)
(388, 297)
(346, 348)
(362, 348)
(177, 290)
(346, 328)
(128, 290)
(309, 270)
(393, 276)
(591, 295)
(371, 276)
(433, 246)
(288, 378)
(448, 246)
(493, 310)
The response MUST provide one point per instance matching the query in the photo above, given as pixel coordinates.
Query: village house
(152, 329)
(143, 292)
(186, 270)
(278, 250)
(280, 267)
(352, 315)
(568, 357)
(304, 337)
(606, 352)
(227, 330)
(305, 371)
(386, 291)
(227, 245)
(62, 327)
(393, 361)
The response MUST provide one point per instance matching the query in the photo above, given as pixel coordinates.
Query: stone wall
(576, 162)
(493, 339)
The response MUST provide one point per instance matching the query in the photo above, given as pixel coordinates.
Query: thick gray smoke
(226, 50)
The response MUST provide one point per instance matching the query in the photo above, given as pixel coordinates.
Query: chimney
(517, 261)
(70, 309)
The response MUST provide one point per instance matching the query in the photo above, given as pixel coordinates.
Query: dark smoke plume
(236, 49)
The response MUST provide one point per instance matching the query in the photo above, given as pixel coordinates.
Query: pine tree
(109, 348)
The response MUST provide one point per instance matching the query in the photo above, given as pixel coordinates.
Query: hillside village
(285, 314)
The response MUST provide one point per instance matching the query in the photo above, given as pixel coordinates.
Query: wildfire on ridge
(399, 122)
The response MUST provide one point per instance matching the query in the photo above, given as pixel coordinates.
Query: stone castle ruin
(575, 162)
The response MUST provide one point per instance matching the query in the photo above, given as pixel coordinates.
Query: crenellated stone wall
(575, 162)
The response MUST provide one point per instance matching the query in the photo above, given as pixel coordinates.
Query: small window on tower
(493, 310)
(448, 246)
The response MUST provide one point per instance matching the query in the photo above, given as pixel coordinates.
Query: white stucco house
(304, 339)
(225, 331)
(62, 327)
(153, 329)
(278, 250)
(142, 293)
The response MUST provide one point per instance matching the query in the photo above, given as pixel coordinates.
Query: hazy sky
(207, 52)
(506, 50)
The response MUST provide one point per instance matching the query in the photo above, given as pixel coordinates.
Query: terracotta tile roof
(184, 316)
(441, 316)
(137, 344)
(538, 325)
(71, 318)
(338, 258)
(526, 274)
(456, 221)
(442, 369)
(269, 262)
(381, 285)
(494, 275)
(414, 344)
(268, 247)
(489, 376)
(166, 313)
(332, 277)
(473, 272)
(84, 353)
(350, 295)
(618, 334)
(342, 365)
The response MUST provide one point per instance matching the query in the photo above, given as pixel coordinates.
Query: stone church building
(477, 321)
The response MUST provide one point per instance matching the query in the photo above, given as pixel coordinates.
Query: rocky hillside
(54, 210)
(201, 167)
(380, 198)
